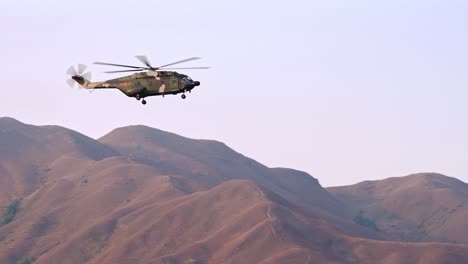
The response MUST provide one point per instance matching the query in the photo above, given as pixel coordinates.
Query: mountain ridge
(419, 207)
(148, 196)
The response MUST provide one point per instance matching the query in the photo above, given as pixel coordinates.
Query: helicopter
(147, 81)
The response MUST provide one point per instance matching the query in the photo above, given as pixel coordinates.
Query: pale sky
(344, 90)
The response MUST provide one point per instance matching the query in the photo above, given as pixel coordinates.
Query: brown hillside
(210, 163)
(141, 195)
(26, 151)
(234, 222)
(420, 207)
(74, 202)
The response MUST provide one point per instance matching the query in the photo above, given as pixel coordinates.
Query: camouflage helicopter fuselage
(144, 84)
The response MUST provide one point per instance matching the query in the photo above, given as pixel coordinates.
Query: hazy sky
(345, 90)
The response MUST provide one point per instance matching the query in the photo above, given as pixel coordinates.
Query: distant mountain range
(142, 195)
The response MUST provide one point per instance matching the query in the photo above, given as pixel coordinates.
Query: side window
(174, 84)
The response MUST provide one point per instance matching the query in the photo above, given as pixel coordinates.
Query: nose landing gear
(143, 102)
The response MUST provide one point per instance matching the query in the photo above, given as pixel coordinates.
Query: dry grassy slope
(26, 151)
(235, 222)
(211, 163)
(420, 207)
(69, 208)
(174, 200)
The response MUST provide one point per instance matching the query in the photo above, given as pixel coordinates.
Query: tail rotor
(78, 75)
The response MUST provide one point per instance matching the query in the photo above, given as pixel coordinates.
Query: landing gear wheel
(183, 96)
(143, 102)
(138, 97)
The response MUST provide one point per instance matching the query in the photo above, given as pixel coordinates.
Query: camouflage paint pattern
(143, 84)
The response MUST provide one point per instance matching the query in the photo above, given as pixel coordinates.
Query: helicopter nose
(192, 85)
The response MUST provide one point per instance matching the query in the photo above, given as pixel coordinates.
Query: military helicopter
(148, 81)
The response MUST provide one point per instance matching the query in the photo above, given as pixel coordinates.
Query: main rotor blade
(181, 61)
(118, 65)
(72, 71)
(186, 68)
(81, 69)
(144, 60)
(143, 69)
